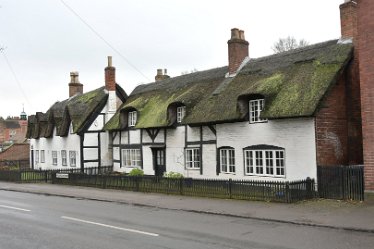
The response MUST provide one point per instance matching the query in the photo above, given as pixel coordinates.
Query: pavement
(353, 216)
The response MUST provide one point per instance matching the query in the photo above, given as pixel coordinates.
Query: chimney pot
(161, 75)
(74, 77)
(109, 61)
(241, 34)
(235, 33)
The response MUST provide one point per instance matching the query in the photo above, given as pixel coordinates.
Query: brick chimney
(161, 75)
(238, 49)
(75, 87)
(366, 54)
(348, 19)
(110, 76)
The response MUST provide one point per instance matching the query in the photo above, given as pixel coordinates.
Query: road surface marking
(15, 208)
(109, 226)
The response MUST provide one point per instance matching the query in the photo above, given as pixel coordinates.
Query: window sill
(268, 176)
(228, 173)
(193, 169)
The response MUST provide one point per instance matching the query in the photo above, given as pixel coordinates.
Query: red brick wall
(332, 128)
(348, 19)
(16, 152)
(238, 50)
(366, 57)
(110, 78)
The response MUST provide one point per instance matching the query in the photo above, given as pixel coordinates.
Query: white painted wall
(175, 142)
(296, 136)
(69, 143)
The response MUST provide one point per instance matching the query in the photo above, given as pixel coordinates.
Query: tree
(288, 43)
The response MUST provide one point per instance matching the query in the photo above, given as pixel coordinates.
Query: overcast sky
(44, 40)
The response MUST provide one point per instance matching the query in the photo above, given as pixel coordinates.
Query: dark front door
(159, 161)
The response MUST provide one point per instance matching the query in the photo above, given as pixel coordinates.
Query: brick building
(13, 129)
(365, 23)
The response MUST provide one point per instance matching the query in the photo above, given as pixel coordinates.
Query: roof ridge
(296, 50)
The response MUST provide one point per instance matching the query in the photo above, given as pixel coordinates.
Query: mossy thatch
(77, 110)
(292, 83)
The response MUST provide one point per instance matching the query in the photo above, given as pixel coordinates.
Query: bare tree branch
(288, 43)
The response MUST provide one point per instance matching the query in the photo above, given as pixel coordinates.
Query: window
(227, 160)
(72, 158)
(131, 158)
(181, 112)
(42, 156)
(264, 162)
(63, 158)
(36, 156)
(255, 108)
(132, 118)
(54, 157)
(193, 158)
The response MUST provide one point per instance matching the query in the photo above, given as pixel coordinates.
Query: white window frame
(132, 118)
(54, 157)
(181, 113)
(264, 163)
(64, 160)
(255, 108)
(131, 158)
(73, 158)
(193, 158)
(227, 160)
(42, 156)
(36, 156)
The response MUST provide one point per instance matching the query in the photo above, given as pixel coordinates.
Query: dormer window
(255, 108)
(181, 112)
(132, 118)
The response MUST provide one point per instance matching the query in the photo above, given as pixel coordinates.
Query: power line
(2, 51)
(102, 38)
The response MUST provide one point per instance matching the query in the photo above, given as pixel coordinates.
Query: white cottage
(253, 119)
(70, 134)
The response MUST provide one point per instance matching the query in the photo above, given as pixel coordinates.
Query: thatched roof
(292, 83)
(80, 110)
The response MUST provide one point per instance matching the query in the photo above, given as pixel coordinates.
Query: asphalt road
(39, 221)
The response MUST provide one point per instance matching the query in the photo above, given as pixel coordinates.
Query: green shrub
(136, 172)
(174, 175)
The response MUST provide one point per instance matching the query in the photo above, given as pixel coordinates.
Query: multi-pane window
(193, 158)
(227, 160)
(63, 158)
(181, 112)
(279, 162)
(37, 156)
(131, 158)
(54, 157)
(73, 158)
(264, 162)
(42, 156)
(255, 108)
(132, 118)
